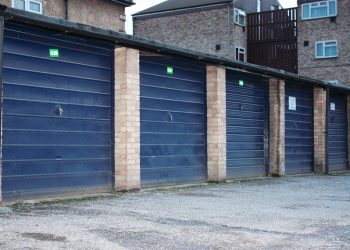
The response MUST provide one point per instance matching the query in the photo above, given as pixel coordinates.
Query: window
(18, 4)
(319, 9)
(326, 49)
(239, 17)
(240, 54)
(275, 7)
(35, 6)
(122, 17)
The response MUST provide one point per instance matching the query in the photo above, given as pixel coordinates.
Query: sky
(144, 4)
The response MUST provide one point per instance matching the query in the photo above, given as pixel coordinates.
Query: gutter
(190, 8)
(126, 3)
(178, 11)
(129, 41)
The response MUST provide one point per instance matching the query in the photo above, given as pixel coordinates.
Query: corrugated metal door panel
(299, 129)
(173, 121)
(337, 132)
(45, 153)
(246, 125)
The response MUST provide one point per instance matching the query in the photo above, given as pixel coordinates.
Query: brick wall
(54, 8)
(199, 30)
(277, 127)
(322, 29)
(320, 106)
(103, 13)
(127, 119)
(216, 123)
(100, 13)
(6, 2)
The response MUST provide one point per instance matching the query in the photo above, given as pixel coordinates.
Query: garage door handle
(59, 110)
(170, 117)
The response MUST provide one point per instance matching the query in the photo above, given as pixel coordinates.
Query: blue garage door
(337, 132)
(246, 103)
(299, 126)
(57, 113)
(173, 118)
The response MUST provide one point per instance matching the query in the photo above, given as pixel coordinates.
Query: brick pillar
(277, 127)
(320, 106)
(127, 119)
(216, 123)
(348, 107)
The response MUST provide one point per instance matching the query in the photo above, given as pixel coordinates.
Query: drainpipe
(258, 5)
(229, 31)
(66, 9)
(326, 130)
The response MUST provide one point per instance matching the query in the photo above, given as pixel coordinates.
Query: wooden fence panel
(272, 39)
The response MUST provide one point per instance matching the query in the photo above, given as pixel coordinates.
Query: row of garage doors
(58, 118)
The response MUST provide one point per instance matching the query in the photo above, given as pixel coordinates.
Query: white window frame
(40, 2)
(243, 50)
(274, 7)
(240, 13)
(122, 17)
(324, 49)
(27, 4)
(318, 5)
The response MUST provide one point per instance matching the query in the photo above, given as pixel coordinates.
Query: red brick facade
(127, 119)
(320, 106)
(216, 123)
(277, 127)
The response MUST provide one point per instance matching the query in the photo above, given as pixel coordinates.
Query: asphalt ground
(305, 212)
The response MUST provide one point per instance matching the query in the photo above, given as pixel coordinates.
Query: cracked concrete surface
(309, 212)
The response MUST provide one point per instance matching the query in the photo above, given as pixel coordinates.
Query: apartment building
(212, 26)
(324, 40)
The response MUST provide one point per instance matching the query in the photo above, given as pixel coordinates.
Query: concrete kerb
(59, 200)
(7, 207)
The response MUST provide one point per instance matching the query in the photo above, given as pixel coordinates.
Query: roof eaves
(145, 12)
(126, 3)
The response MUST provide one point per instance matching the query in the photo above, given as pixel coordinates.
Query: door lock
(59, 110)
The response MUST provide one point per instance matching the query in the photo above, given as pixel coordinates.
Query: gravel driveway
(309, 212)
